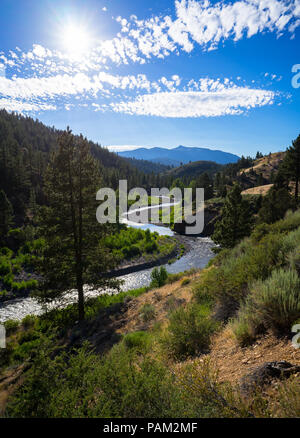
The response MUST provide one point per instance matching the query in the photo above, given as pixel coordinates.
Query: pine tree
(6, 216)
(204, 182)
(275, 204)
(72, 255)
(236, 220)
(292, 164)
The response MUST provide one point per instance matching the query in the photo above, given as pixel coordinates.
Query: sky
(145, 73)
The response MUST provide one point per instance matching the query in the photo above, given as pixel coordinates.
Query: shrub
(5, 266)
(174, 277)
(189, 331)
(131, 251)
(11, 326)
(138, 340)
(151, 247)
(293, 259)
(272, 304)
(289, 223)
(8, 281)
(29, 321)
(229, 281)
(147, 312)
(81, 384)
(205, 396)
(246, 326)
(288, 405)
(277, 300)
(148, 235)
(6, 252)
(159, 277)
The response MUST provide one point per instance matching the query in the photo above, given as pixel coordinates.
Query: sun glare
(76, 40)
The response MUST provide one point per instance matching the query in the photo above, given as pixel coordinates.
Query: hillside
(191, 348)
(181, 154)
(194, 169)
(25, 148)
(259, 190)
(147, 166)
(263, 169)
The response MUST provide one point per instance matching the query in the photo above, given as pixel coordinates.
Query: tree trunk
(296, 189)
(80, 297)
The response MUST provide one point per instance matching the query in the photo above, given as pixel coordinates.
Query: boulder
(264, 374)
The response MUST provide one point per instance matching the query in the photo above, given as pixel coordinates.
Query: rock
(211, 214)
(265, 373)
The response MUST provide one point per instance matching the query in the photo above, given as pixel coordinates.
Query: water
(162, 231)
(197, 257)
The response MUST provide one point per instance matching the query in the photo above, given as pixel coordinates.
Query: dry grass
(266, 164)
(233, 362)
(260, 190)
(161, 299)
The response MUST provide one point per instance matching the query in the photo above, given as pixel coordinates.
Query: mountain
(181, 154)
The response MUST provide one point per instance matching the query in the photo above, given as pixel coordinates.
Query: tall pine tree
(6, 216)
(275, 204)
(72, 255)
(292, 164)
(236, 220)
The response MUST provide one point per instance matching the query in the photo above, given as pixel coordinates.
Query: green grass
(131, 243)
(12, 264)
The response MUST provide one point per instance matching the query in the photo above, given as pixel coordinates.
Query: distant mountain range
(180, 155)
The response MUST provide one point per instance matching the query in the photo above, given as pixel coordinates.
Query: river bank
(197, 256)
(195, 252)
(182, 247)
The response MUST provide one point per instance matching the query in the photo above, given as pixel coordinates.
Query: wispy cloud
(206, 103)
(21, 106)
(163, 98)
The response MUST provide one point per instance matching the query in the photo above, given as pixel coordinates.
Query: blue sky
(156, 73)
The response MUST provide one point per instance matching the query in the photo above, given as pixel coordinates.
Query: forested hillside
(147, 166)
(25, 148)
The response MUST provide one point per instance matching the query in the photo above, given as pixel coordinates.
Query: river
(198, 256)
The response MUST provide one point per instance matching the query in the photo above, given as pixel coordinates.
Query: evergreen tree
(236, 220)
(72, 256)
(6, 216)
(292, 164)
(204, 182)
(275, 204)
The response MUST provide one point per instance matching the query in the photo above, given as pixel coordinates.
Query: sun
(76, 40)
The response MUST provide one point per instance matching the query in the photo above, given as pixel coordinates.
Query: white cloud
(207, 23)
(206, 103)
(24, 107)
(204, 23)
(66, 85)
(199, 98)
